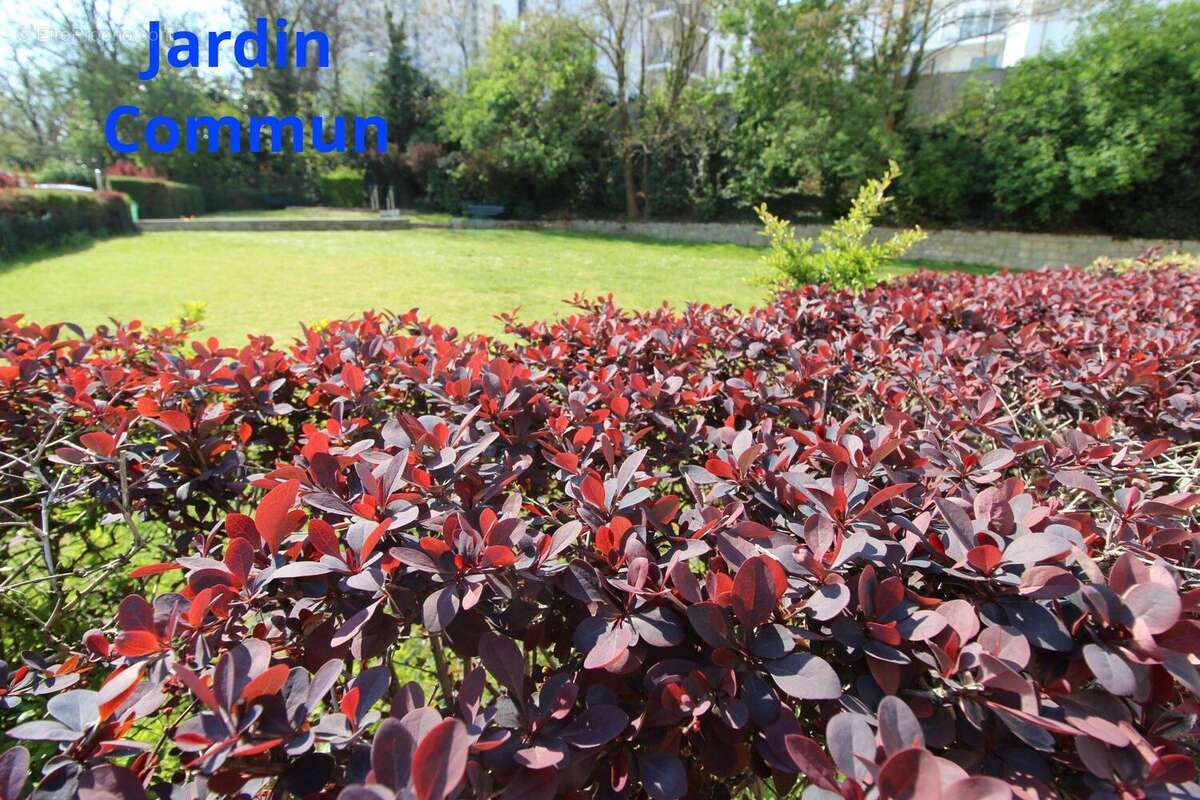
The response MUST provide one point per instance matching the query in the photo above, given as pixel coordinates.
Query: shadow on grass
(75, 245)
(652, 241)
(674, 244)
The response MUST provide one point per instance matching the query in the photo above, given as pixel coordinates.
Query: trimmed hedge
(237, 198)
(342, 188)
(31, 218)
(160, 199)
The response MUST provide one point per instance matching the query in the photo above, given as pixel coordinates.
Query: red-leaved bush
(934, 539)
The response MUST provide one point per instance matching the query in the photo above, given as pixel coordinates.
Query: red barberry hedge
(935, 539)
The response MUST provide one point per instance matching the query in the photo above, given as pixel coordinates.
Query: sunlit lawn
(266, 282)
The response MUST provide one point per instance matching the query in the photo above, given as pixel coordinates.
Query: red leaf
(756, 590)
(372, 539)
(272, 518)
(240, 526)
(349, 705)
(323, 538)
(197, 686)
(268, 683)
(567, 461)
(255, 749)
(911, 774)
(147, 570)
(239, 559)
(593, 489)
(984, 558)
(440, 760)
(175, 421)
(353, 378)
(137, 643)
(99, 442)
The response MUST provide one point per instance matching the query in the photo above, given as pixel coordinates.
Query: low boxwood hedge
(342, 188)
(31, 218)
(160, 199)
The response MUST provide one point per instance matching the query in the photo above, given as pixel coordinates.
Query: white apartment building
(964, 36)
(995, 34)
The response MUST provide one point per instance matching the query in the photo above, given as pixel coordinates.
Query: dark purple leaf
(108, 782)
(847, 736)
(663, 776)
(812, 761)
(14, 770)
(898, 726)
(440, 609)
(613, 643)
(755, 593)
(1111, 670)
(596, 726)
(501, 657)
(78, 709)
(805, 677)
(1154, 604)
(392, 754)
(709, 621)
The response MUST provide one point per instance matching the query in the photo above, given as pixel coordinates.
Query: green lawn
(266, 282)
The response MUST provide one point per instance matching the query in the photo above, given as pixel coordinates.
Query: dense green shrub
(160, 199)
(1104, 133)
(532, 118)
(341, 187)
(947, 179)
(443, 187)
(844, 255)
(31, 218)
(270, 192)
(66, 172)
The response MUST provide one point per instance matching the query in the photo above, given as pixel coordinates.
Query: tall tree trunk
(645, 182)
(631, 210)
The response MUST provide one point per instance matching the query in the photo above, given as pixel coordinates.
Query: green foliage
(404, 96)
(33, 218)
(844, 255)
(533, 113)
(1096, 131)
(687, 153)
(191, 313)
(948, 181)
(160, 199)
(805, 134)
(341, 188)
(62, 171)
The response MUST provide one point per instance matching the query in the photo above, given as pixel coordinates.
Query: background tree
(1105, 126)
(613, 27)
(534, 108)
(807, 130)
(404, 96)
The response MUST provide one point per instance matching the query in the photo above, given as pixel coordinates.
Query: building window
(983, 23)
(986, 62)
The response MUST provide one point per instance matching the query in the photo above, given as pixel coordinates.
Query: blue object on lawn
(482, 210)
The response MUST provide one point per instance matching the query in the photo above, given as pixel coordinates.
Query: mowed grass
(268, 282)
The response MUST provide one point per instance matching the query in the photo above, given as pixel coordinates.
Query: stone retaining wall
(997, 248)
